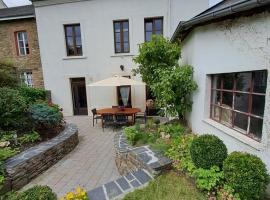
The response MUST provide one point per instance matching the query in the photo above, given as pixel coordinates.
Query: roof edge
(222, 13)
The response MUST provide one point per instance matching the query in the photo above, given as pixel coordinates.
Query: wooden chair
(121, 120)
(95, 116)
(108, 120)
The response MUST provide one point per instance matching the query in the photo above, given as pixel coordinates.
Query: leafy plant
(179, 151)
(79, 194)
(32, 95)
(29, 137)
(173, 129)
(6, 153)
(160, 146)
(13, 109)
(246, 174)
(171, 84)
(35, 193)
(45, 116)
(8, 75)
(207, 151)
(227, 193)
(7, 136)
(208, 179)
(131, 134)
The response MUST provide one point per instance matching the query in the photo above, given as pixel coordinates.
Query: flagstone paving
(89, 165)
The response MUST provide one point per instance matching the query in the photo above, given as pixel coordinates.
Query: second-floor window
(153, 26)
(22, 43)
(73, 40)
(121, 36)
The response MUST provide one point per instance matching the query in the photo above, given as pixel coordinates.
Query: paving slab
(89, 165)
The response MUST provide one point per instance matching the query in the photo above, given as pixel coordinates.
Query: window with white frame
(26, 78)
(22, 43)
(238, 100)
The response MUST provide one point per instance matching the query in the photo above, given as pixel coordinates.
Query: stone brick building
(19, 43)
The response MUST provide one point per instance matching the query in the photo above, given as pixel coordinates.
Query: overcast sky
(11, 3)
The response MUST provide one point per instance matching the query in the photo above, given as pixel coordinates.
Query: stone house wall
(8, 50)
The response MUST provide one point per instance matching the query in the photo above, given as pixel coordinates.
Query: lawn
(169, 186)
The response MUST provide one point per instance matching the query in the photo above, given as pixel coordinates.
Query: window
(121, 36)
(153, 26)
(73, 40)
(238, 100)
(26, 78)
(22, 43)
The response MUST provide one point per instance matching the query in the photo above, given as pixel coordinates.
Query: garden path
(89, 165)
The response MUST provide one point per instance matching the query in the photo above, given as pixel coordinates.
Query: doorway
(79, 96)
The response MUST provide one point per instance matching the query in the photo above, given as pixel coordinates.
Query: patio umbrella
(116, 81)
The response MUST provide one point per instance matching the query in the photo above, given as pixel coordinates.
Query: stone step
(120, 187)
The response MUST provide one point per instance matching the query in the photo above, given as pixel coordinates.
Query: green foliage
(208, 179)
(227, 193)
(246, 174)
(45, 116)
(32, 95)
(6, 153)
(160, 146)
(13, 109)
(171, 85)
(7, 136)
(34, 193)
(8, 75)
(29, 137)
(156, 56)
(179, 152)
(132, 134)
(174, 129)
(207, 151)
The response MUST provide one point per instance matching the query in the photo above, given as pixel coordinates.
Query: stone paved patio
(89, 165)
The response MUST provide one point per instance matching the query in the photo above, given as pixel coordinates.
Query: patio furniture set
(117, 116)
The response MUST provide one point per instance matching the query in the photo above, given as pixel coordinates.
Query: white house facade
(230, 57)
(84, 41)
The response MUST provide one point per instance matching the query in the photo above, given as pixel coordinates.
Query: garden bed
(22, 168)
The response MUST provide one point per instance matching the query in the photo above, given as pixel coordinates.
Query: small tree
(171, 84)
(8, 75)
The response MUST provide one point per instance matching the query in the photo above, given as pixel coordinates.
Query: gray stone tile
(139, 150)
(129, 177)
(97, 194)
(142, 176)
(112, 190)
(135, 183)
(123, 183)
(144, 157)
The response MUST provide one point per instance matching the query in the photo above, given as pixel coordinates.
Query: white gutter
(17, 17)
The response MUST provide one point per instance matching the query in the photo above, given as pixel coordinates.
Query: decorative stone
(123, 183)
(97, 194)
(112, 190)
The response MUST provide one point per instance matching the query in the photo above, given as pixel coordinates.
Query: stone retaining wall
(22, 168)
(130, 159)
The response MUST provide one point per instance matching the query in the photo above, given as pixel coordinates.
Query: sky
(11, 3)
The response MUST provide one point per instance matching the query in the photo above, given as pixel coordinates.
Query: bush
(29, 137)
(45, 116)
(208, 179)
(13, 109)
(6, 153)
(8, 75)
(131, 134)
(246, 174)
(32, 95)
(179, 152)
(207, 151)
(173, 129)
(35, 193)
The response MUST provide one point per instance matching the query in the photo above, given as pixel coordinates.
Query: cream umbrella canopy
(116, 81)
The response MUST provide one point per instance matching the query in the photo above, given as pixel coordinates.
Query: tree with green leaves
(171, 84)
(8, 75)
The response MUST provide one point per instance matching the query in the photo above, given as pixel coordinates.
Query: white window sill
(74, 57)
(122, 55)
(242, 138)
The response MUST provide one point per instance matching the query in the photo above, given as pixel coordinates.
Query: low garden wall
(22, 168)
(130, 158)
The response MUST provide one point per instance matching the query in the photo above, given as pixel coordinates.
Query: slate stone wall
(22, 168)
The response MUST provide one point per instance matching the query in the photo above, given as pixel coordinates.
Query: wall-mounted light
(122, 67)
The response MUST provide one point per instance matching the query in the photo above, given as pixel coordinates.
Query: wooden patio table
(114, 111)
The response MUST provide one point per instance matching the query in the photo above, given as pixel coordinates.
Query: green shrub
(246, 174)
(7, 136)
(208, 179)
(207, 151)
(179, 151)
(173, 129)
(13, 109)
(34, 193)
(29, 137)
(6, 153)
(131, 134)
(45, 116)
(8, 75)
(32, 95)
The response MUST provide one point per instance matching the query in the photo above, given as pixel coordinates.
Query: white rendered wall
(99, 60)
(230, 46)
